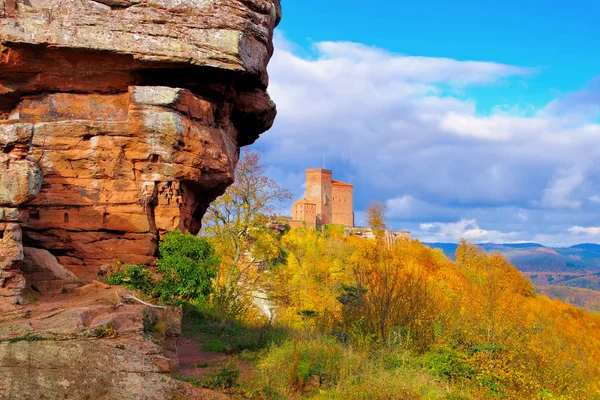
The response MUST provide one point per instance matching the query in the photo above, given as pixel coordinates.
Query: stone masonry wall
(318, 191)
(343, 212)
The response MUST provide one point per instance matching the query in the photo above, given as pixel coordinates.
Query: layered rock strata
(132, 111)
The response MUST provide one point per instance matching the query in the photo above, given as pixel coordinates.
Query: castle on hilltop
(327, 201)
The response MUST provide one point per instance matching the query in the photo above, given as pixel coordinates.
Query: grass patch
(320, 367)
(229, 336)
(28, 337)
(216, 345)
(225, 378)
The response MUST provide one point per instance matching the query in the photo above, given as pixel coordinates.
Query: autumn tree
(399, 297)
(375, 214)
(237, 225)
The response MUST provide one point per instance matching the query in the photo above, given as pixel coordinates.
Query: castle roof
(304, 201)
(340, 183)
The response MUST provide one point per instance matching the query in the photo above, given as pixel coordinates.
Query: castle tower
(319, 192)
(341, 199)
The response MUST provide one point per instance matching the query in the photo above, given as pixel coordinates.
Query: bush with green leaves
(136, 277)
(186, 268)
(187, 265)
(226, 377)
(449, 363)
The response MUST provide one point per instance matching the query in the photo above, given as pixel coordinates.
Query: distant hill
(593, 247)
(449, 249)
(585, 298)
(516, 245)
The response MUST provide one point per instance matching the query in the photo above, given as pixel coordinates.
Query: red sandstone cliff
(119, 120)
(122, 119)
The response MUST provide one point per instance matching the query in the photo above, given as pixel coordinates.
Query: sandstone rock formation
(120, 120)
(20, 181)
(80, 346)
(127, 117)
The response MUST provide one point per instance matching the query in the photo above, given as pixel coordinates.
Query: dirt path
(195, 362)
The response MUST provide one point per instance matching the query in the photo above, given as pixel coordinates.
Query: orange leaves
(515, 343)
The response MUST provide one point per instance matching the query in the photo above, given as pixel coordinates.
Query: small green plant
(203, 365)
(225, 378)
(186, 269)
(546, 395)
(136, 277)
(29, 298)
(28, 337)
(107, 331)
(449, 364)
(248, 355)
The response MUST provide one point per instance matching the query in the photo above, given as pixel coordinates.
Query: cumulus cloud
(581, 230)
(559, 194)
(467, 229)
(581, 105)
(406, 130)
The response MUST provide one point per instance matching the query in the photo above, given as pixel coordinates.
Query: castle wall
(319, 192)
(342, 207)
(305, 212)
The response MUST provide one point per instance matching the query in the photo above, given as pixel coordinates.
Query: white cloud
(588, 231)
(410, 68)
(467, 229)
(496, 128)
(559, 194)
(406, 129)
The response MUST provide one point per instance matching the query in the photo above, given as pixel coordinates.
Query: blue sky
(470, 119)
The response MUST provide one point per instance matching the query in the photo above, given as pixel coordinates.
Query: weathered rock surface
(129, 115)
(120, 120)
(20, 181)
(79, 346)
(44, 274)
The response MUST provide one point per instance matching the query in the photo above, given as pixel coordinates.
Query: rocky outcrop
(92, 344)
(133, 112)
(20, 181)
(120, 120)
(44, 274)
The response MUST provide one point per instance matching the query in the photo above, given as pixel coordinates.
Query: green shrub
(186, 269)
(136, 277)
(449, 364)
(225, 378)
(187, 265)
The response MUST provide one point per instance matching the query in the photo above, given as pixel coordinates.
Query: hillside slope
(571, 274)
